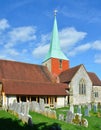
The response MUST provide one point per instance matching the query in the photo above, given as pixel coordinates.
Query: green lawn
(10, 122)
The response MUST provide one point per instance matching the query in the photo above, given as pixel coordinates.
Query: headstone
(72, 108)
(89, 107)
(79, 109)
(26, 112)
(46, 111)
(95, 107)
(42, 105)
(69, 117)
(86, 112)
(22, 108)
(14, 106)
(61, 117)
(52, 114)
(49, 113)
(37, 107)
(19, 108)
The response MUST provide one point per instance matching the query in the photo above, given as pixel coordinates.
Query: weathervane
(55, 12)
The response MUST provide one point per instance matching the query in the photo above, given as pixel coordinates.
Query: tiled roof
(94, 78)
(23, 71)
(66, 76)
(15, 87)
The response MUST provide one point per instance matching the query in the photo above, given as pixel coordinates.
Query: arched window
(82, 87)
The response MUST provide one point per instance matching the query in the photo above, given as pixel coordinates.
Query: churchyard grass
(41, 122)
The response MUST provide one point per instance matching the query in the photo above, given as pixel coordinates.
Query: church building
(54, 81)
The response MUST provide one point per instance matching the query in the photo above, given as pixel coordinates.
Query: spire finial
(55, 12)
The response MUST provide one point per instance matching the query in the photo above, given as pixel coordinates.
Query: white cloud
(21, 35)
(40, 51)
(12, 52)
(42, 46)
(45, 38)
(24, 51)
(96, 45)
(4, 24)
(81, 48)
(68, 38)
(98, 58)
(12, 38)
(9, 53)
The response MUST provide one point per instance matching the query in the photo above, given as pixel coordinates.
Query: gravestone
(22, 108)
(42, 105)
(79, 109)
(26, 112)
(69, 117)
(46, 111)
(61, 117)
(72, 108)
(95, 108)
(49, 113)
(19, 108)
(89, 107)
(86, 112)
(36, 107)
(53, 114)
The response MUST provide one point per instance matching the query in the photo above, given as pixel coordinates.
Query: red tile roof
(23, 71)
(15, 87)
(28, 79)
(66, 76)
(94, 78)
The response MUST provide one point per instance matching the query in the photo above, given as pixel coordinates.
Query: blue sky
(26, 26)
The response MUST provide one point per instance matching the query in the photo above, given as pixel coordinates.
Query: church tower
(55, 59)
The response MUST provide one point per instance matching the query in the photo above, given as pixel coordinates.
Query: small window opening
(60, 63)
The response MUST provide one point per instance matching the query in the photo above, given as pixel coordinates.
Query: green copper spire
(55, 50)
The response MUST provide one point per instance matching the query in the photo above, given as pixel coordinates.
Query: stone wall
(74, 85)
(97, 89)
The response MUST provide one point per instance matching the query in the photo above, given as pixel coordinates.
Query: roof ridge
(20, 62)
(67, 75)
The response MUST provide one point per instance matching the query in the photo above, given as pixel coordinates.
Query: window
(82, 87)
(60, 63)
(96, 94)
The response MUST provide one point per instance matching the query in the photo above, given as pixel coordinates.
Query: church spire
(55, 60)
(55, 50)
